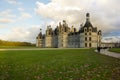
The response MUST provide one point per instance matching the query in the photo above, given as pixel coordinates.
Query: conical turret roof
(88, 23)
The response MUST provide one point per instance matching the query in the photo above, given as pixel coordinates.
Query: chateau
(65, 37)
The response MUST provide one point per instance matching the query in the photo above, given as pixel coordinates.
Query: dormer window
(85, 29)
(90, 29)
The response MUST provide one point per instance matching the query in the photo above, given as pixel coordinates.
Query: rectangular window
(85, 44)
(90, 45)
(89, 33)
(89, 38)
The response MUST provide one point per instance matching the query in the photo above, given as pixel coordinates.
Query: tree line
(11, 43)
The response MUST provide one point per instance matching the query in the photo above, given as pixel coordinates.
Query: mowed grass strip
(74, 64)
(117, 50)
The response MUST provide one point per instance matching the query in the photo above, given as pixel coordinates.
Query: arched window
(85, 33)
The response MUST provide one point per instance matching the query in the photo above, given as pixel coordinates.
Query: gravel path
(106, 52)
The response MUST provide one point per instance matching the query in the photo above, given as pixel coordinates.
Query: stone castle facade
(65, 37)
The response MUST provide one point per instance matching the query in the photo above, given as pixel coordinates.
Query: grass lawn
(115, 50)
(75, 64)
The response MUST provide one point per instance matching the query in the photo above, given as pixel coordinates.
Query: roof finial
(64, 21)
(87, 16)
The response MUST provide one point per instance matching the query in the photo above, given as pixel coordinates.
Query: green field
(115, 50)
(67, 64)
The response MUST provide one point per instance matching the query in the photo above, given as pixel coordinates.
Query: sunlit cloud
(111, 39)
(6, 20)
(14, 2)
(7, 13)
(18, 33)
(25, 15)
(103, 15)
(21, 9)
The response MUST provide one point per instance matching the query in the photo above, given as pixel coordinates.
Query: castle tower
(39, 39)
(90, 34)
(63, 34)
(48, 37)
(55, 36)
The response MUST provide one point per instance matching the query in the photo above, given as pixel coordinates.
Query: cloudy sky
(20, 20)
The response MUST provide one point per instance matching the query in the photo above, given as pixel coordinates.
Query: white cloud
(6, 20)
(21, 9)
(56, 12)
(7, 13)
(7, 16)
(104, 13)
(2, 26)
(111, 39)
(14, 2)
(103, 16)
(25, 16)
(22, 34)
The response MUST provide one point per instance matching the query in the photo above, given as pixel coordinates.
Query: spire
(60, 24)
(40, 30)
(40, 34)
(87, 17)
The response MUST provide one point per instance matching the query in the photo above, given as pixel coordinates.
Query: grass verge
(117, 50)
